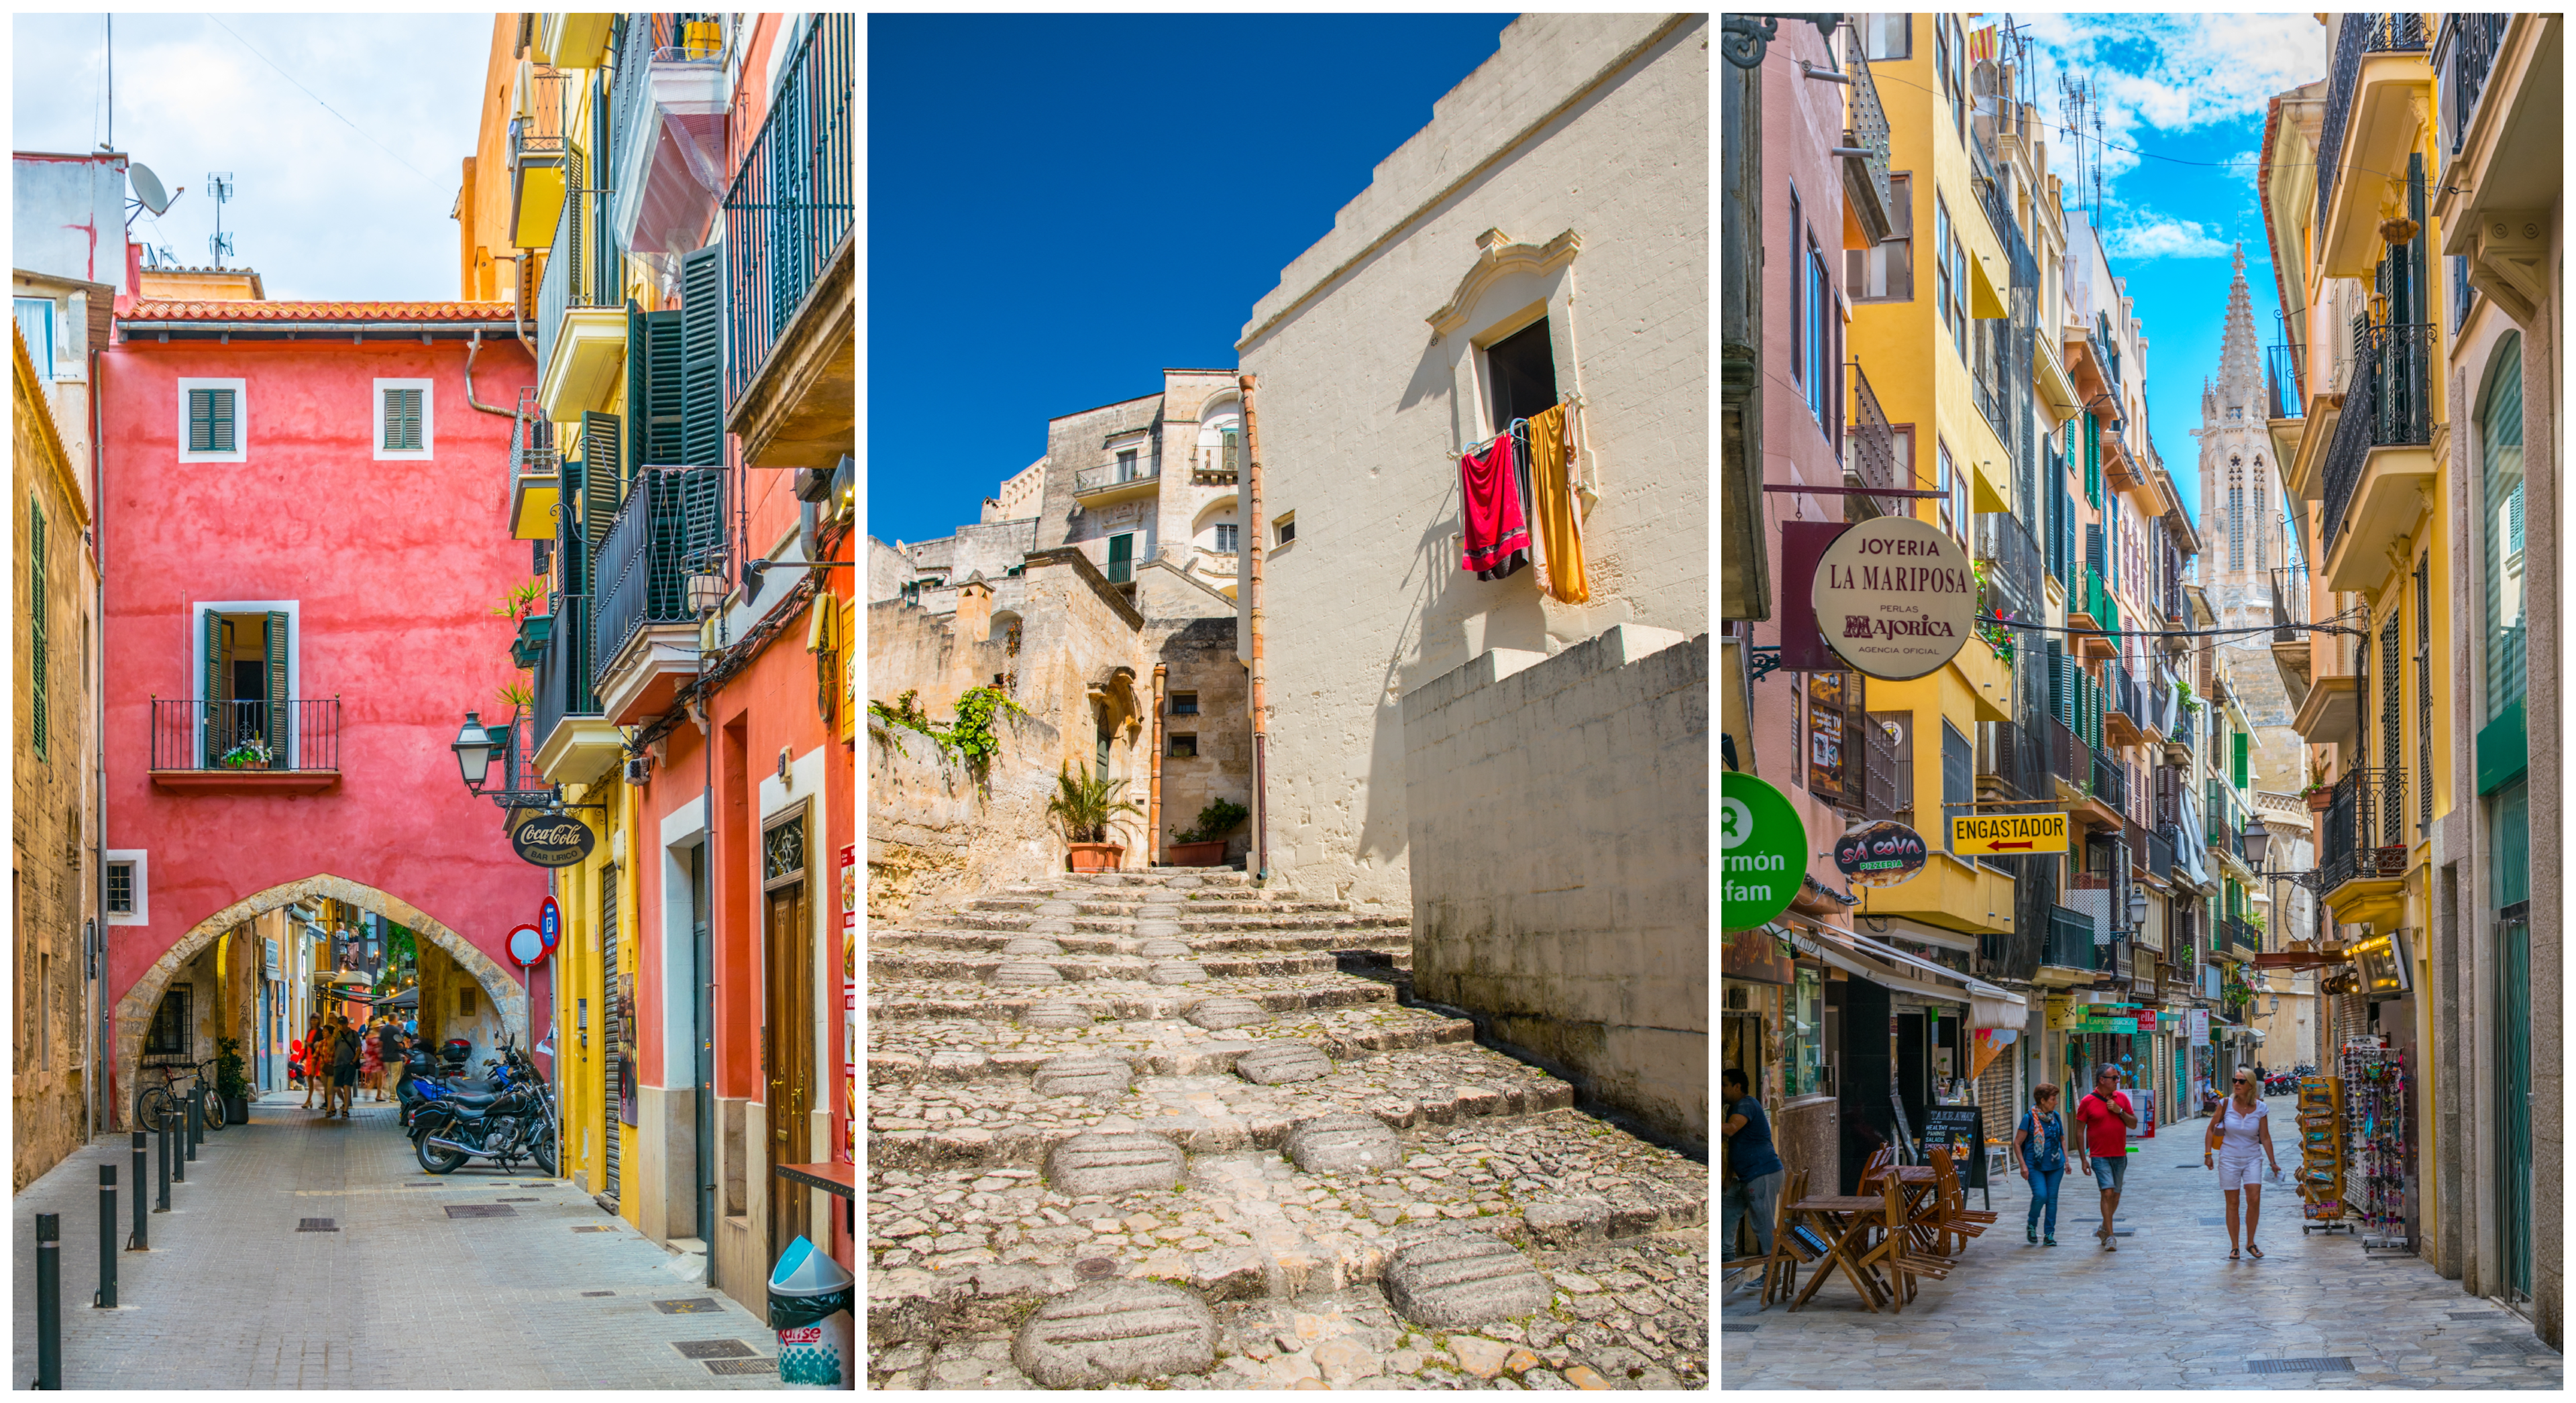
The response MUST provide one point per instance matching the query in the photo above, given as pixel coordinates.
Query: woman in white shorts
(2240, 1142)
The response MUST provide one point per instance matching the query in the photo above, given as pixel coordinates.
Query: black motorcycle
(426, 1078)
(506, 1125)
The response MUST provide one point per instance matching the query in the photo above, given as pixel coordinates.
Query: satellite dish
(147, 188)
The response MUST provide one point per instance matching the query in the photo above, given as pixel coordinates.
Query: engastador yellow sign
(2007, 835)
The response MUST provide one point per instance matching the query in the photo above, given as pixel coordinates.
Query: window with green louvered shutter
(281, 707)
(402, 420)
(702, 406)
(212, 416)
(603, 477)
(2238, 765)
(36, 649)
(654, 385)
(211, 700)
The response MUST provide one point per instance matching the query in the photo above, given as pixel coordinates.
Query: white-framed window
(1284, 529)
(214, 421)
(129, 887)
(404, 416)
(1229, 537)
(1954, 495)
(36, 326)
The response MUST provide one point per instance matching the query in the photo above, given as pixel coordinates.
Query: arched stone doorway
(134, 1010)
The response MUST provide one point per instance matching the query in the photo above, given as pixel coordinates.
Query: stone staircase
(1170, 1128)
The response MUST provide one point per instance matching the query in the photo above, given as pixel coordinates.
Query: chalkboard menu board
(1965, 1127)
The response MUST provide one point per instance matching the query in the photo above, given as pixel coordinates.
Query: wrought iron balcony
(2070, 940)
(2388, 402)
(2010, 762)
(2463, 52)
(536, 471)
(1114, 476)
(243, 737)
(2365, 829)
(2110, 782)
(2160, 857)
(1865, 177)
(792, 203)
(2289, 603)
(1869, 451)
(2240, 935)
(582, 266)
(563, 685)
(2069, 758)
(2284, 384)
(2358, 35)
(2014, 570)
(670, 527)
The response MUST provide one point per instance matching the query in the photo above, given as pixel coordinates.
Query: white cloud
(2170, 73)
(2156, 236)
(320, 210)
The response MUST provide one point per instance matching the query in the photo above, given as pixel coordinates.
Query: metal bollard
(196, 1120)
(174, 1145)
(105, 1299)
(49, 1300)
(141, 1239)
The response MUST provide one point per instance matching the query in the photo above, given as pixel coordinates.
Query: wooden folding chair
(1895, 1250)
(1952, 1216)
(1780, 1269)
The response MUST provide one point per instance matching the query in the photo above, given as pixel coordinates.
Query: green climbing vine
(969, 734)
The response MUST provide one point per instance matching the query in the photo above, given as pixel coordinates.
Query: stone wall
(1558, 814)
(1594, 126)
(1198, 657)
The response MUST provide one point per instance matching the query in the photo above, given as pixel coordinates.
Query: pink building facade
(300, 612)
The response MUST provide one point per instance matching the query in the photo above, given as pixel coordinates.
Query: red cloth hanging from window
(1497, 525)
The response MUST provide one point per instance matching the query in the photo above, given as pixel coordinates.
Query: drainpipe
(1154, 786)
(100, 1095)
(474, 348)
(1260, 861)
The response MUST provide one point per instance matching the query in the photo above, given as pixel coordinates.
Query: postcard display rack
(2321, 1145)
(2374, 1089)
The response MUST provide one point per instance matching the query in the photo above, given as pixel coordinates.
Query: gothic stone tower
(2243, 540)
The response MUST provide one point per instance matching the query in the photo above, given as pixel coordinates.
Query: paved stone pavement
(2167, 1310)
(231, 1295)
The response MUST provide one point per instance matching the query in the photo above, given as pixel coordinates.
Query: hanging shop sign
(2381, 961)
(551, 840)
(1895, 597)
(2197, 1023)
(2007, 835)
(1757, 955)
(1880, 854)
(1764, 846)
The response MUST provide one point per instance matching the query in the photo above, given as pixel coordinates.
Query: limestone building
(2247, 563)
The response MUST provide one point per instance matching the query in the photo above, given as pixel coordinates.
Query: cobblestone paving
(231, 1295)
(1272, 1267)
(2167, 1310)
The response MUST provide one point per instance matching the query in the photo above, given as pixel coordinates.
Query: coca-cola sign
(1895, 597)
(1880, 854)
(551, 840)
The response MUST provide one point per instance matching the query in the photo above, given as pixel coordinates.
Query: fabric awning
(1889, 967)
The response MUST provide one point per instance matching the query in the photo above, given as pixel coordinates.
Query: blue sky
(2187, 93)
(323, 207)
(1060, 206)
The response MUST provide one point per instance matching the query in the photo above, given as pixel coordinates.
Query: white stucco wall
(1591, 125)
(67, 216)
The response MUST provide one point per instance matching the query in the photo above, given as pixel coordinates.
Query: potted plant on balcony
(248, 755)
(1204, 844)
(1085, 807)
(2319, 795)
(230, 1083)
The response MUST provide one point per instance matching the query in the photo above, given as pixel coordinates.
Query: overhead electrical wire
(317, 97)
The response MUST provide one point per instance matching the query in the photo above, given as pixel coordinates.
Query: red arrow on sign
(2022, 844)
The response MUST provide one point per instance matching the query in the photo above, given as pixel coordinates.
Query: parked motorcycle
(425, 1078)
(513, 1123)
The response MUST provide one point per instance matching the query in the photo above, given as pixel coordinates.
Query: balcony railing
(1869, 450)
(1866, 177)
(2160, 857)
(2359, 34)
(2285, 387)
(581, 262)
(2110, 782)
(2365, 833)
(1103, 478)
(564, 669)
(2388, 401)
(2010, 758)
(670, 527)
(2070, 939)
(2464, 51)
(2289, 602)
(540, 132)
(2098, 602)
(2069, 758)
(1218, 466)
(2240, 935)
(792, 203)
(2126, 697)
(246, 735)
(2014, 569)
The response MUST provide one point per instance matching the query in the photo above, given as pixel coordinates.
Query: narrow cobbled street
(2167, 1310)
(311, 1253)
(1165, 1128)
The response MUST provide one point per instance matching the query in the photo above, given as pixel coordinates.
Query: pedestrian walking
(2107, 1119)
(294, 1062)
(371, 1059)
(317, 1065)
(1752, 1183)
(344, 1069)
(2240, 1131)
(2039, 1150)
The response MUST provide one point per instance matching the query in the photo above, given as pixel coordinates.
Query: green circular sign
(1762, 849)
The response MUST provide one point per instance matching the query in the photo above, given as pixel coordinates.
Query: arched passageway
(135, 1008)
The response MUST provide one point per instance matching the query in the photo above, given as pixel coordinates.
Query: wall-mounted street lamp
(474, 749)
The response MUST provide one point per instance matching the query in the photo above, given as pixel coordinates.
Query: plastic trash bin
(810, 1303)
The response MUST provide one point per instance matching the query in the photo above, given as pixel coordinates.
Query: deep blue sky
(1060, 206)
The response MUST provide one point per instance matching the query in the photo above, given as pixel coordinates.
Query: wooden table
(1845, 1222)
(1922, 1187)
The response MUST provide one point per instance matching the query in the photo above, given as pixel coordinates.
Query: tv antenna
(2076, 102)
(220, 185)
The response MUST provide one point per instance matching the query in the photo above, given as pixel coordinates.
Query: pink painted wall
(396, 567)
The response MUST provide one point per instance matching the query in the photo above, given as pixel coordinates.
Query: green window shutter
(36, 711)
(1122, 558)
(281, 707)
(603, 477)
(219, 422)
(201, 406)
(653, 389)
(211, 700)
(702, 406)
(402, 420)
(2240, 771)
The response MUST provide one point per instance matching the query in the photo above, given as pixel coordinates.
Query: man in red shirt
(2107, 1120)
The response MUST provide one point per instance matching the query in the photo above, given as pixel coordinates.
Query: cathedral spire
(2240, 363)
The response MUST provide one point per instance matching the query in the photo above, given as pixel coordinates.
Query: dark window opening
(1185, 747)
(120, 889)
(170, 1026)
(1185, 703)
(1523, 369)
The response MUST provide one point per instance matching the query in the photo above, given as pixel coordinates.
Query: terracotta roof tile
(242, 311)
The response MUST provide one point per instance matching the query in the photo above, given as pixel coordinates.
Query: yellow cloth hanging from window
(1556, 519)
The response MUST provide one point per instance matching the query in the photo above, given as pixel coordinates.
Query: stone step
(967, 1050)
(1169, 967)
(1118, 999)
(960, 1250)
(1017, 1115)
(1030, 923)
(897, 939)
(1173, 878)
(1086, 904)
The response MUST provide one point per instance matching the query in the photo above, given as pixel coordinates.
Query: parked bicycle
(170, 1098)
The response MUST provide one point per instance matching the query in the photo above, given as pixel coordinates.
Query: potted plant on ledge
(1204, 845)
(230, 1083)
(1085, 808)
